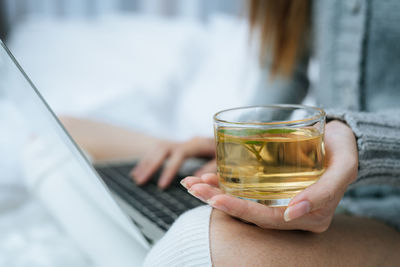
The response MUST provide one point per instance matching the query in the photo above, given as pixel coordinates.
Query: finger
(208, 178)
(261, 215)
(340, 144)
(204, 191)
(256, 213)
(200, 147)
(211, 179)
(342, 160)
(329, 188)
(187, 182)
(253, 212)
(210, 166)
(149, 157)
(305, 160)
(149, 165)
(170, 169)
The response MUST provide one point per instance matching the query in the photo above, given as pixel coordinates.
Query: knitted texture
(186, 243)
(378, 142)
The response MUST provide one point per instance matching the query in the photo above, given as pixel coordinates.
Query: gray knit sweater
(357, 46)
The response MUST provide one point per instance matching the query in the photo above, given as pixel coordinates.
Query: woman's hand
(310, 210)
(175, 154)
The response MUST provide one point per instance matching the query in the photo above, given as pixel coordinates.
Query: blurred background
(124, 56)
(162, 67)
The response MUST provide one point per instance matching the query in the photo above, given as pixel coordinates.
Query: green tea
(268, 164)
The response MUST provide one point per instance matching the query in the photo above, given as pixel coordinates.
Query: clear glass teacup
(269, 154)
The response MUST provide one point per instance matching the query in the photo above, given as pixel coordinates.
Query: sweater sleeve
(378, 141)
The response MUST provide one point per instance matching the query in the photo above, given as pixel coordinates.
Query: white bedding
(163, 76)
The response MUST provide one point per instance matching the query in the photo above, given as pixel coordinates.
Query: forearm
(107, 142)
(378, 141)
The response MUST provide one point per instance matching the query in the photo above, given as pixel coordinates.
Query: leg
(349, 241)
(108, 142)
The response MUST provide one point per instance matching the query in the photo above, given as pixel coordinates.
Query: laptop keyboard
(162, 207)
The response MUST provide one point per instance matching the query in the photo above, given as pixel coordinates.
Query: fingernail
(297, 210)
(183, 183)
(217, 206)
(196, 195)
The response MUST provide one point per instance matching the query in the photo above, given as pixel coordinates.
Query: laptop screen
(59, 174)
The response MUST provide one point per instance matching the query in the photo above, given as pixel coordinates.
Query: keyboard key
(161, 207)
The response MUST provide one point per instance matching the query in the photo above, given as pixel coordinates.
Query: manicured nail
(297, 210)
(184, 183)
(196, 195)
(217, 206)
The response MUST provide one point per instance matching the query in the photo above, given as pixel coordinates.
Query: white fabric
(166, 77)
(186, 243)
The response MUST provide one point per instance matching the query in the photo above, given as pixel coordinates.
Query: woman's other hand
(175, 154)
(310, 210)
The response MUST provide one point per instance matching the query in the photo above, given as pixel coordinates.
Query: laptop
(107, 215)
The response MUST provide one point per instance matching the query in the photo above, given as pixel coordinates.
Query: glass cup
(268, 154)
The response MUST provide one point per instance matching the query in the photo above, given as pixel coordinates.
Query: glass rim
(321, 114)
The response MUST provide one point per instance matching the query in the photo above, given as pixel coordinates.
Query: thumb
(328, 189)
(342, 159)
